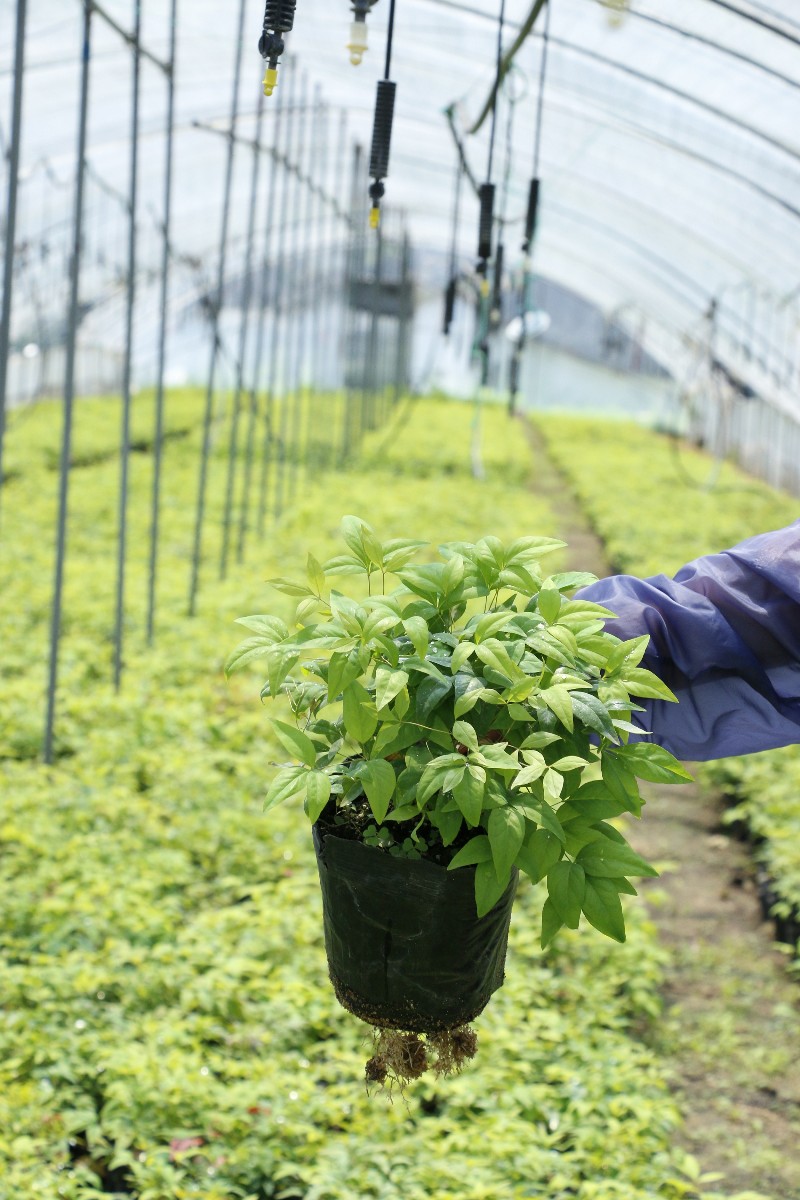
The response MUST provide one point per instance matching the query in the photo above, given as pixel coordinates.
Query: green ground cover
(167, 1030)
(634, 491)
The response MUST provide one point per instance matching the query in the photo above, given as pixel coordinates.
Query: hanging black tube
(532, 215)
(278, 19)
(486, 224)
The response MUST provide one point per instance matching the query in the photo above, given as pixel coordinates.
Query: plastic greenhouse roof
(670, 153)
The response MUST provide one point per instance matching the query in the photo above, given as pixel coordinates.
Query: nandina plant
(466, 710)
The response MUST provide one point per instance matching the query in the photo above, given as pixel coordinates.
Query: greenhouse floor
(730, 1027)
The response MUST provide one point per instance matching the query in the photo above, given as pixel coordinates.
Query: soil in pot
(406, 950)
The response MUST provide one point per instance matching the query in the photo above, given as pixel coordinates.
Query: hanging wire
(533, 193)
(382, 128)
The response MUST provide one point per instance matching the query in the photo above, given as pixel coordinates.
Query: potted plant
(455, 722)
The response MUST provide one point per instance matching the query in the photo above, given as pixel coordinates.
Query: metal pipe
(278, 307)
(69, 388)
(288, 378)
(244, 330)
(130, 303)
(218, 301)
(162, 331)
(11, 218)
(261, 329)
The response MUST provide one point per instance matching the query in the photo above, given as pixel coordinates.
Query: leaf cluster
(471, 696)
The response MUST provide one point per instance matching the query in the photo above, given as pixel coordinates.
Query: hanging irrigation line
(277, 313)
(130, 303)
(505, 62)
(69, 388)
(317, 286)
(292, 313)
(162, 336)
(339, 257)
(261, 332)
(452, 275)
(11, 220)
(305, 302)
(215, 317)
(246, 283)
(382, 127)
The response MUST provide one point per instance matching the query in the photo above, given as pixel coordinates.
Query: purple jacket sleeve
(725, 636)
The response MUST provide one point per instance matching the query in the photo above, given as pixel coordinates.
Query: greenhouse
(400, 600)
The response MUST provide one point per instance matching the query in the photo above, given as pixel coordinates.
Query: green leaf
(246, 652)
(460, 655)
(318, 791)
(558, 701)
(494, 656)
(296, 742)
(506, 831)
(491, 623)
(468, 793)
(539, 852)
(397, 552)
(566, 884)
(620, 782)
(594, 715)
(388, 684)
(359, 712)
(565, 581)
(430, 694)
(644, 683)
(316, 574)
(497, 758)
(529, 774)
(569, 763)
(606, 860)
(289, 782)
(630, 652)
(464, 733)
(354, 531)
(602, 908)
(539, 810)
(272, 629)
(549, 604)
(344, 564)
(289, 588)
(551, 923)
(477, 850)
(378, 779)
(652, 762)
(343, 669)
(488, 888)
(417, 630)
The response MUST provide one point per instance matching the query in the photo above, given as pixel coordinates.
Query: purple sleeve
(725, 636)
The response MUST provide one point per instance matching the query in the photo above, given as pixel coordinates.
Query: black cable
(389, 41)
(540, 100)
(498, 73)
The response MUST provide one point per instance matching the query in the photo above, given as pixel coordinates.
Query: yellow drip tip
(270, 80)
(374, 218)
(485, 288)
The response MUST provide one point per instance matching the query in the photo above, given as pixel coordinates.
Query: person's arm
(725, 637)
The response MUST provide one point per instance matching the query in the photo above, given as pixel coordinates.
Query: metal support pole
(162, 331)
(314, 458)
(261, 333)
(11, 219)
(219, 295)
(125, 436)
(244, 330)
(337, 267)
(372, 364)
(401, 380)
(289, 376)
(352, 264)
(305, 305)
(69, 388)
(278, 309)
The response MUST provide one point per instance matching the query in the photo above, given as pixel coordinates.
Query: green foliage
(652, 523)
(168, 1031)
(480, 633)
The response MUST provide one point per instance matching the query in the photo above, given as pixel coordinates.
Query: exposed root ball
(453, 1048)
(400, 1057)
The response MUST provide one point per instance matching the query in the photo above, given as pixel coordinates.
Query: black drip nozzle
(532, 216)
(486, 227)
(449, 306)
(358, 30)
(496, 309)
(381, 145)
(278, 19)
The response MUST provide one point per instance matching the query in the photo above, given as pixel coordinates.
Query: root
(399, 1057)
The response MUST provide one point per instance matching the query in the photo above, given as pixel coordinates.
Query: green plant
(471, 706)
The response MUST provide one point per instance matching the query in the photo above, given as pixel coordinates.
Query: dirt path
(731, 1025)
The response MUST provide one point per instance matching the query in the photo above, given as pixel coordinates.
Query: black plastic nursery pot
(406, 949)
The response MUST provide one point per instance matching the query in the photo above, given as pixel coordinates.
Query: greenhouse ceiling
(670, 140)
